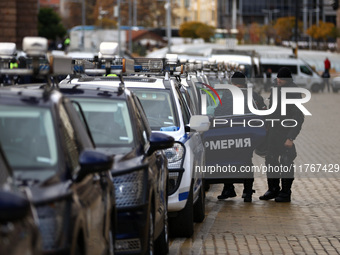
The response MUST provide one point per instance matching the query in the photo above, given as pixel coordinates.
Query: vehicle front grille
(128, 245)
(129, 189)
(48, 225)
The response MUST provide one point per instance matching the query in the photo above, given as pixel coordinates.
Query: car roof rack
(36, 51)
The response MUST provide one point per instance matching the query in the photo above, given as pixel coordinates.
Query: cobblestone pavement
(310, 224)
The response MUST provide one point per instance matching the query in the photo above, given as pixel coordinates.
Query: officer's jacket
(292, 113)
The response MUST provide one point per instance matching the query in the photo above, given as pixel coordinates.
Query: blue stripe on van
(183, 196)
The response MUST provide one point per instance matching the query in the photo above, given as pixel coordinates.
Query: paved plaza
(310, 224)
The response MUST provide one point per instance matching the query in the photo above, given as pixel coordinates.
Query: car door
(155, 161)
(89, 219)
(195, 141)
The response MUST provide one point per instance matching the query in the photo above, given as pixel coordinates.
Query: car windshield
(158, 108)
(28, 137)
(109, 121)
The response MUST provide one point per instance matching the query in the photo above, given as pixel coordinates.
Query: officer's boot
(248, 190)
(273, 189)
(228, 191)
(285, 193)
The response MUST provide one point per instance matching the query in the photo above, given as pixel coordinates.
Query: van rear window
(275, 68)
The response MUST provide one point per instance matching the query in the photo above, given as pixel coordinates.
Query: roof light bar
(126, 67)
(150, 65)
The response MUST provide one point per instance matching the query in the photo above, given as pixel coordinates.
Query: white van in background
(250, 60)
(303, 74)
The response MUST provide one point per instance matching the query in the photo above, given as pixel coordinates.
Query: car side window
(144, 122)
(184, 108)
(69, 138)
(305, 70)
(82, 137)
(140, 128)
(4, 175)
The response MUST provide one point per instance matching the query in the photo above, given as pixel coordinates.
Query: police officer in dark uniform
(281, 148)
(239, 79)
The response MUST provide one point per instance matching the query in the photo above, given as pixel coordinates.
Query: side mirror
(199, 123)
(13, 206)
(92, 161)
(159, 141)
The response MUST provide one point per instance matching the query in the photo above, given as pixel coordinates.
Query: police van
(303, 74)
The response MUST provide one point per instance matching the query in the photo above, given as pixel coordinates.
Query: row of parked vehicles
(102, 157)
(100, 180)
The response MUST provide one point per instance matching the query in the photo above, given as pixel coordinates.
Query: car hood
(124, 161)
(51, 193)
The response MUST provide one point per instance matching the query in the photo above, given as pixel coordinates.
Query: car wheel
(335, 90)
(162, 242)
(199, 206)
(151, 234)
(182, 225)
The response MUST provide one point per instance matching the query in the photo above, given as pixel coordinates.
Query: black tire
(162, 242)
(199, 206)
(335, 90)
(182, 225)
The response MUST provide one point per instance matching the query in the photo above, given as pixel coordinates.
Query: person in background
(326, 75)
(327, 65)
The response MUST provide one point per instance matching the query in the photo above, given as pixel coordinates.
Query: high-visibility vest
(13, 65)
(67, 41)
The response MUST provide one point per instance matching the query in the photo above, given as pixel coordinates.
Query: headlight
(175, 156)
(50, 223)
(129, 189)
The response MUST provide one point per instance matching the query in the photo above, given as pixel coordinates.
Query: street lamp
(167, 6)
(117, 15)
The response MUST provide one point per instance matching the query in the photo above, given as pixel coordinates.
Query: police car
(120, 128)
(168, 113)
(52, 154)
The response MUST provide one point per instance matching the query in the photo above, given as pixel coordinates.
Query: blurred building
(265, 11)
(204, 11)
(18, 18)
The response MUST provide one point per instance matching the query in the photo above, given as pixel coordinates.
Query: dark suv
(50, 152)
(120, 128)
(19, 233)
